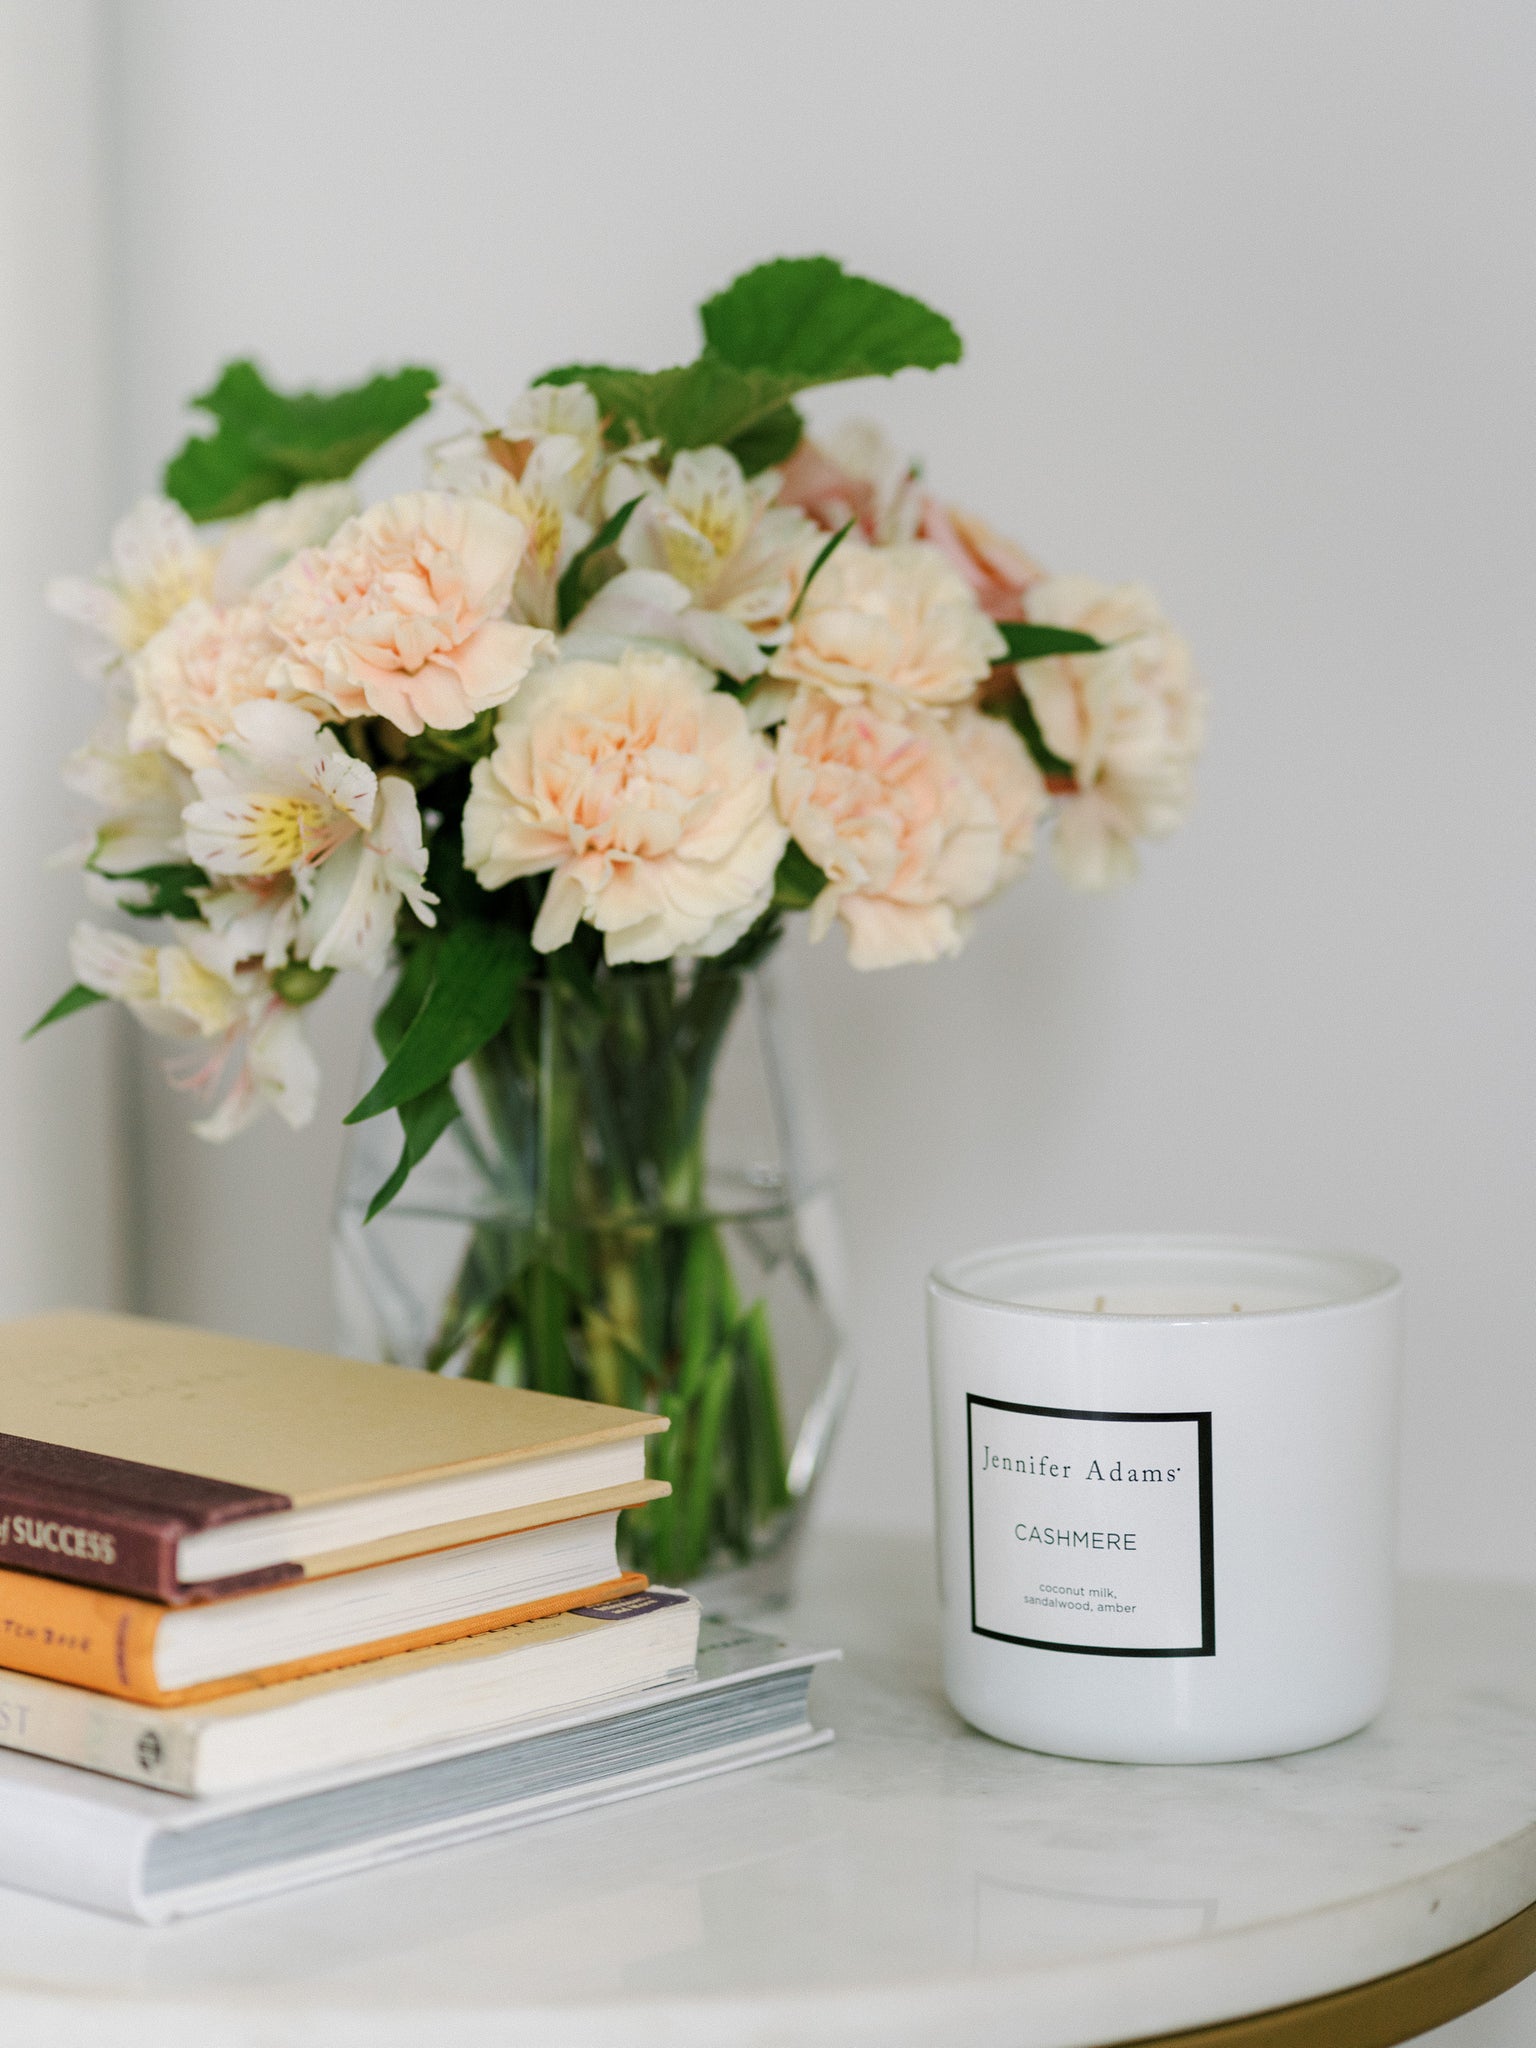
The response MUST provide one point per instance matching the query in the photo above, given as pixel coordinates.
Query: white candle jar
(1166, 1480)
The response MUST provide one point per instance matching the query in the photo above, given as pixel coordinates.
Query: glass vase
(635, 1207)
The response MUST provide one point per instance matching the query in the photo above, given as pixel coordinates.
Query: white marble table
(914, 1884)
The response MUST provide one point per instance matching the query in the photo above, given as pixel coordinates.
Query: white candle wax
(1161, 1277)
(1181, 1301)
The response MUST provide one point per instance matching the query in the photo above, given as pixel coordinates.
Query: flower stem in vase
(600, 1269)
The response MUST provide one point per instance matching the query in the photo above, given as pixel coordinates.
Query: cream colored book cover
(171, 1462)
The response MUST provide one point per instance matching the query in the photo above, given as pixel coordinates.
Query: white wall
(60, 1219)
(1248, 297)
(1248, 294)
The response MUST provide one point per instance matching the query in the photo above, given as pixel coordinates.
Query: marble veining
(917, 1883)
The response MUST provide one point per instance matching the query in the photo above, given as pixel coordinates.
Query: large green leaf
(77, 998)
(696, 405)
(777, 330)
(475, 973)
(769, 440)
(267, 443)
(807, 318)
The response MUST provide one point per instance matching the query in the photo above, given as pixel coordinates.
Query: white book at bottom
(155, 1856)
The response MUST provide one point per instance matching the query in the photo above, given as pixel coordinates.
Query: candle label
(1090, 1530)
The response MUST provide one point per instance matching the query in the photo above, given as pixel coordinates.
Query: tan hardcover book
(177, 1464)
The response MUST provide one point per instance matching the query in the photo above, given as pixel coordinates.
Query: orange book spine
(106, 1643)
(83, 1635)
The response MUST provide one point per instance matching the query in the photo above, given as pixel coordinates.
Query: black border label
(1202, 1419)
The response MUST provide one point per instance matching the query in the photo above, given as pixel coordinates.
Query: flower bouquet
(559, 743)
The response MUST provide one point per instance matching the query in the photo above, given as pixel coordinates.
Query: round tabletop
(915, 1883)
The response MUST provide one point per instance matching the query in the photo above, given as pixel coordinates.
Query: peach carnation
(645, 795)
(400, 614)
(996, 758)
(1130, 721)
(885, 806)
(190, 678)
(897, 619)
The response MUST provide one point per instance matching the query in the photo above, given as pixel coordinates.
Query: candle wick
(1237, 1308)
(1098, 1304)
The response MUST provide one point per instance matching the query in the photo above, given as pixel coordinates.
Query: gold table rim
(1385, 2010)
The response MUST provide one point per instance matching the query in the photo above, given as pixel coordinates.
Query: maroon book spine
(113, 1522)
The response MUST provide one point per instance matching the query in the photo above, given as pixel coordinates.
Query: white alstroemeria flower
(250, 921)
(255, 547)
(168, 989)
(143, 795)
(157, 563)
(542, 467)
(273, 1067)
(251, 1049)
(649, 606)
(543, 494)
(567, 410)
(354, 898)
(722, 537)
(283, 797)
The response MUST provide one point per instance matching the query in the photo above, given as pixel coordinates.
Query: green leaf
(797, 881)
(1039, 643)
(1020, 714)
(219, 476)
(478, 969)
(436, 752)
(828, 550)
(571, 593)
(77, 998)
(777, 330)
(169, 886)
(706, 403)
(403, 1004)
(769, 440)
(807, 318)
(424, 1120)
(267, 443)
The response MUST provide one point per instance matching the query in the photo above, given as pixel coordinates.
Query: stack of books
(267, 1616)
